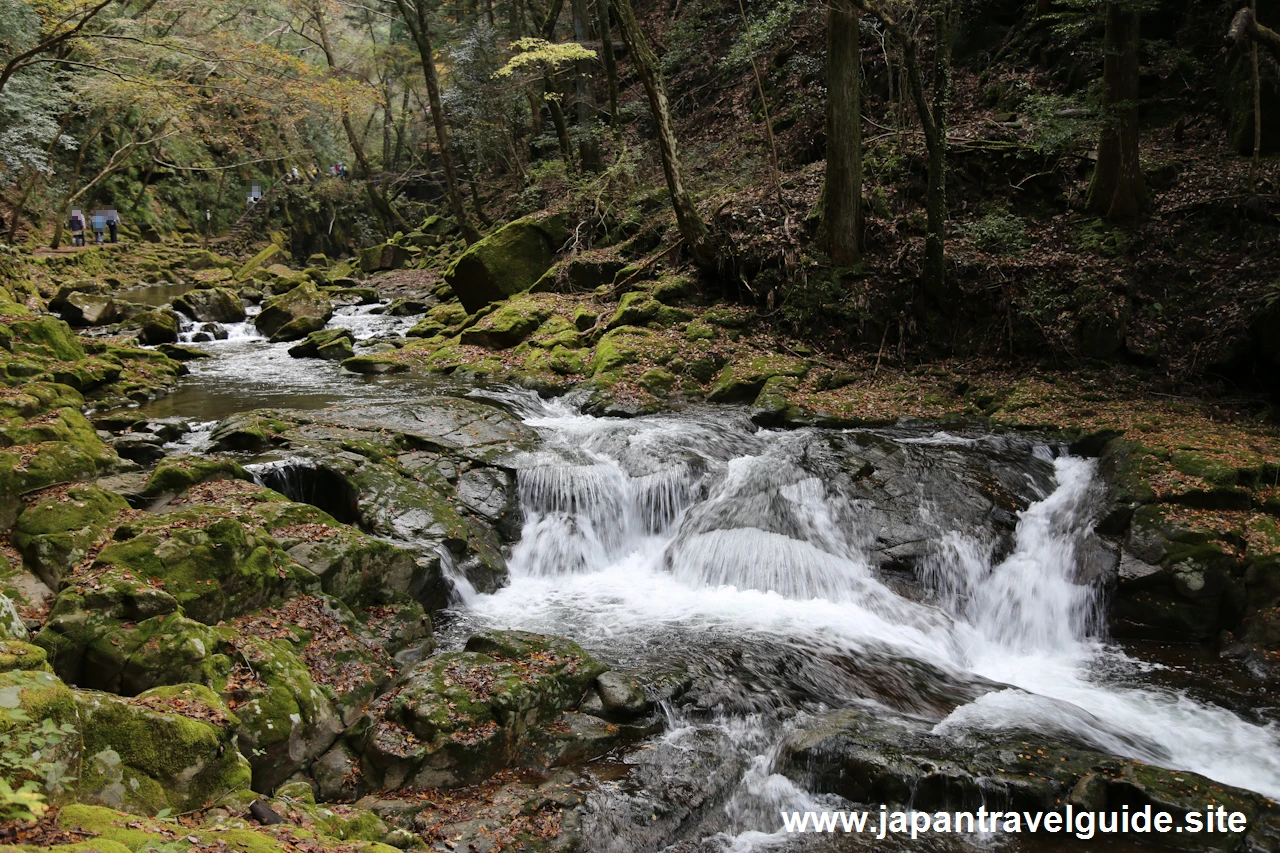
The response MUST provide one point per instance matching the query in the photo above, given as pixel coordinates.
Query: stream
(756, 561)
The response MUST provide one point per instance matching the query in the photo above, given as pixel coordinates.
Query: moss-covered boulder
(215, 565)
(388, 256)
(285, 720)
(32, 701)
(211, 305)
(169, 748)
(507, 262)
(635, 309)
(57, 530)
(17, 655)
(295, 314)
(273, 253)
(50, 445)
(462, 716)
(119, 634)
(374, 365)
(743, 380)
(328, 344)
(509, 325)
(177, 474)
(621, 348)
(157, 327)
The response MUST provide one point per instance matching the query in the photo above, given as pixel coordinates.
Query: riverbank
(317, 554)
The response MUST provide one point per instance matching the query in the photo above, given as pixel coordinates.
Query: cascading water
(763, 563)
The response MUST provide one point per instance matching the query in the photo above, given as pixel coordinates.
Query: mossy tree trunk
(588, 147)
(692, 229)
(842, 195)
(415, 19)
(603, 13)
(1116, 191)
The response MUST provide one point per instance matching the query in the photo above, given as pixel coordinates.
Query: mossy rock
(635, 309)
(216, 567)
(58, 447)
(514, 321)
(773, 406)
(328, 344)
(507, 262)
(620, 348)
(388, 256)
(125, 636)
(211, 305)
(141, 759)
(672, 289)
(698, 331)
(17, 655)
(176, 474)
(46, 337)
(57, 531)
(557, 331)
(285, 720)
(294, 314)
(657, 381)
(743, 380)
(469, 712)
(157, 327)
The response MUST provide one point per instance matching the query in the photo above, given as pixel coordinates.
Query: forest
(612, 425)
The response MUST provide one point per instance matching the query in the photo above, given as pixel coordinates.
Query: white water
(681, 534)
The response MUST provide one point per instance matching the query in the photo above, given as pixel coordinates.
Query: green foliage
(31, 101)
(765, 32)
(1059, 125)
(25, 756)
(536, 55)
(999, 232)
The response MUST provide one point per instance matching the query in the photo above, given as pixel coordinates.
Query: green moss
(176, 474)
(47, 337)
(1212, 471)
(17, 655)
(57, 531)
(744, 379)
(698, 331)
(510, 324)
(657, 381)
(635, 309)
(144, 760)
(620, 348)
(509, 261)
(374, 364)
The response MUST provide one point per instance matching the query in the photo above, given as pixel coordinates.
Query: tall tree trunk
(391, 219)
(933, 123)
(692, 229)
(416, 20)
(588, 146)
(1117, 192)
(842, 193)
(610, 61)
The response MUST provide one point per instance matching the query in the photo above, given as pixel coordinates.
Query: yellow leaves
(540, 56)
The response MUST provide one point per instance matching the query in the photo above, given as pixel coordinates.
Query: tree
(693, 230)
(63, 22)
(933, 124)
(842, 193)
(415, 18)
(1117, 192)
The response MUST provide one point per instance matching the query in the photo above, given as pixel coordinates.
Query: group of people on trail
(314, 174)
(102, 223)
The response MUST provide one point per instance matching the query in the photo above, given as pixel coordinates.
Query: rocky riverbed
(596, 567)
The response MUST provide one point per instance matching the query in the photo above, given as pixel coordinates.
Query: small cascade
(302, 481)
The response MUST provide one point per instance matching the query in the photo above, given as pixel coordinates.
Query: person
(315, 174)
(296, 177)
(342, 170)
(99, 227)
(77, 228)
(113, 223)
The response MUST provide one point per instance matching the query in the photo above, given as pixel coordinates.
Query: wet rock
(295, 314)
(620, 696)
(328, 344)
(505, 263)
(177, 352)
(139, 447)
(374, 365)
(409, 307)
(507, 326)
(212, 305)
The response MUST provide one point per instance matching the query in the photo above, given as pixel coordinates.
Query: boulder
(636, 309)
(474, 712)
(508, 326)
(89, 309)
(385, 257)
(57, 531)
(157, 327)
(329, 344)
(507, 262)
(273, 253)
(170, 748)
(212, 305)
(295, 314)
(741, 381)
